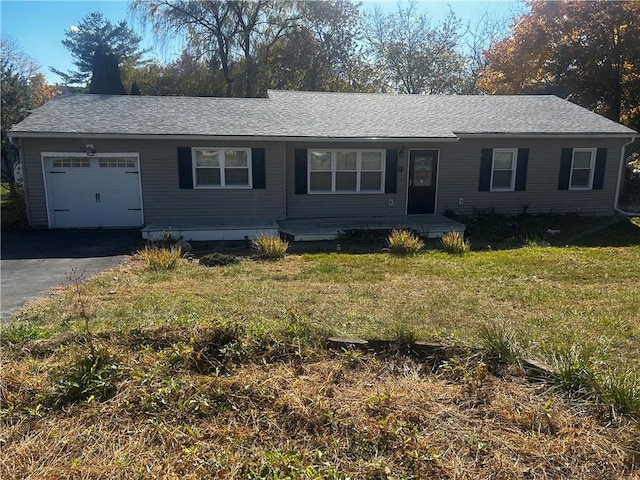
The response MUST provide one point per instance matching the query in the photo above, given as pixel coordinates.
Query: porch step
(210, 231)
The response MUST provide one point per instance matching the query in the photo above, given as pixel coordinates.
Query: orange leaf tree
(585, 51)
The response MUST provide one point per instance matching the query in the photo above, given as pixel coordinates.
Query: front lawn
(220, 372)
(552, 297)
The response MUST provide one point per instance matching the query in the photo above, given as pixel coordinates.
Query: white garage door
(93, 191)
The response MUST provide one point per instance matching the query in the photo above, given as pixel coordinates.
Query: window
(222, 167)
(582, 165)
(346, 171)
(503, 169)
(72, 163)
(117, 163)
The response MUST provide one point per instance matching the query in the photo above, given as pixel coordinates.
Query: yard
(221, 371)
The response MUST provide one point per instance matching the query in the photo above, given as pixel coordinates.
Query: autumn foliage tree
(585, 51)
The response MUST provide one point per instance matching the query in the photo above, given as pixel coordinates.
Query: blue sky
(39, 26)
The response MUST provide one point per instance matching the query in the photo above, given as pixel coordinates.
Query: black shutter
(301, 171)
(565, 168)
(486, 159)
(185, 170)
(258, 167)
(598, 173)
(521, 169)
(391, 171)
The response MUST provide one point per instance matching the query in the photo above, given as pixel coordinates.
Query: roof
(286, 114)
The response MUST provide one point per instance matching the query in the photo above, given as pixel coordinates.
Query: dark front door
(423, 172)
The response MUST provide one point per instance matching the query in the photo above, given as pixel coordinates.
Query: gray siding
(163, 200)
(459, 176)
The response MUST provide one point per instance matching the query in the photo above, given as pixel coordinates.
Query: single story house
(225, 168)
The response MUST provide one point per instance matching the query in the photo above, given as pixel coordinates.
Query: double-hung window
(503, 170)
(222, 167)
(582, 166)
(346, 171)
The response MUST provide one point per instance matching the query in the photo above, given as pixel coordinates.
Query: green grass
(552, 297)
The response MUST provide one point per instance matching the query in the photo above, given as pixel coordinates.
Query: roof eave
(121, 136)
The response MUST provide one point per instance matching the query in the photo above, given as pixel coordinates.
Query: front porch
(313, 229)
(301, 230)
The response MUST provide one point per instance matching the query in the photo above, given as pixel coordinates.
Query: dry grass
(264, 402)
(309, 417)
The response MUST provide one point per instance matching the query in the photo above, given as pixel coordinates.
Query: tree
(22, 88)
(228, 34)
(481, 35)
(321, 52)
(94, 33)
(106, 77)
(587, 52)
(412, 56)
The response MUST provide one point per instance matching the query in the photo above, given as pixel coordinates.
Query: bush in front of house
(161, 258)
(270, 247)
(404, 242)
(455, 243)
(218, 259)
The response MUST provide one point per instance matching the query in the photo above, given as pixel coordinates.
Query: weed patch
(19, 333)
(90, 377)
(218, 259)
(501, 342)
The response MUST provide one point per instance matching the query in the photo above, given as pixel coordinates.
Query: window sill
(347, 193)
(218, 187)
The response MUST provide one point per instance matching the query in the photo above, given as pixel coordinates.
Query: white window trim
(358, 171)
(514, 153)
(222, 185)
(592, 165)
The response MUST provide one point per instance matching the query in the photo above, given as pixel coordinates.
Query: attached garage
(89, 191)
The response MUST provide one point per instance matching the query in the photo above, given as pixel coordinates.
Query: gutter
(257, 138)
(620, 180)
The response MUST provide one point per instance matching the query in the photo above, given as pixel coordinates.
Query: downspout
(620, 180)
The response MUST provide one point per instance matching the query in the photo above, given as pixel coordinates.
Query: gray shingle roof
(315, 115)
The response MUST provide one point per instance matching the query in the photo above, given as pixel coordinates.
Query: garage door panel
(93, 192)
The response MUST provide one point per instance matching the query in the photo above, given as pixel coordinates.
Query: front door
(423, 172)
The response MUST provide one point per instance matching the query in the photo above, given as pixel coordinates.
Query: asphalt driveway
(34, 262)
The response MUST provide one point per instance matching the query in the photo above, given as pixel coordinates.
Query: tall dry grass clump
(455, 243)
(404, 242)
(160, 258)
(270, 247)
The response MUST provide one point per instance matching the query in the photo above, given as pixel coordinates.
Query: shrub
(217, 259)
(455, 243)
(404, 242)
(270, 247)
(161, 258)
